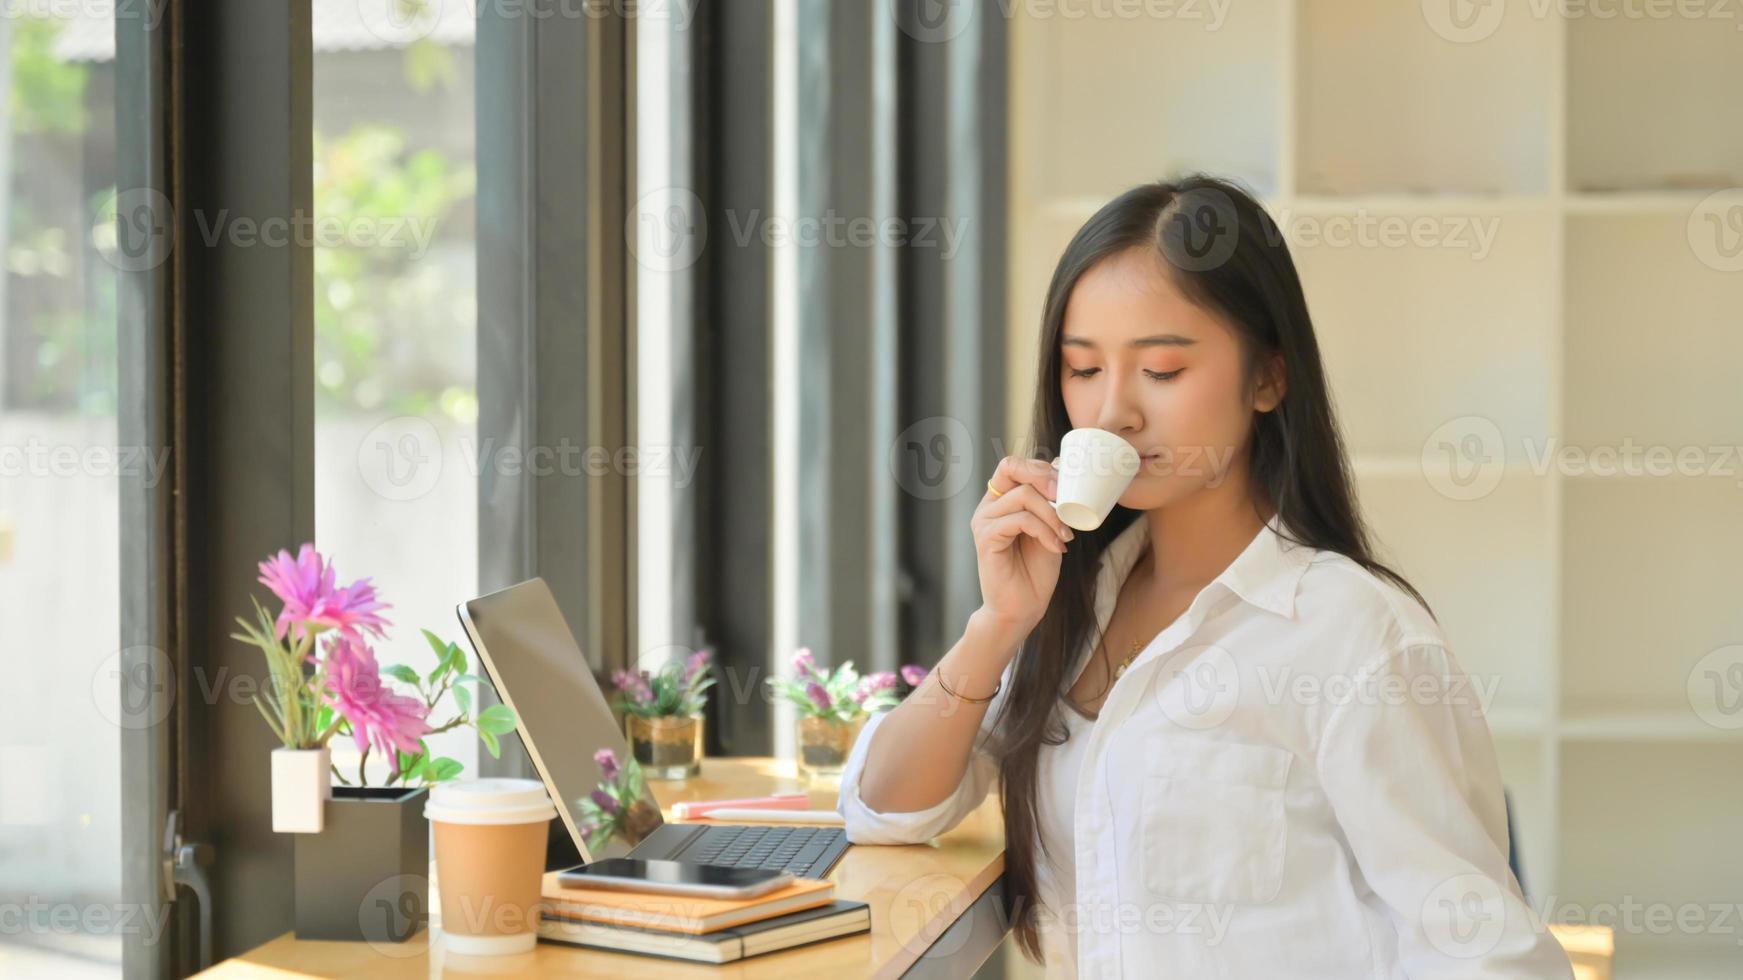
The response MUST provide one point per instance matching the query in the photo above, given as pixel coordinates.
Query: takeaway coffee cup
(490, 856)
(1095, 467)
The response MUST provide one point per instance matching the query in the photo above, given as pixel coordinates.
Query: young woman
(1229, 742)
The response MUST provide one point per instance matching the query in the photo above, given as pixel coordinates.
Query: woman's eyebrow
(1159, 340)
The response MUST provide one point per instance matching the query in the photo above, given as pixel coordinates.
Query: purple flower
(607, 761)
(883, 680)
(635, 686)
(378, 716)
(312, 602)
(696, 664)
(913, 674)
(606, 801)
(803, 661)
(818, 695)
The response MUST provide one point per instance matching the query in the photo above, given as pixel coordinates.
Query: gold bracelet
(940, 675)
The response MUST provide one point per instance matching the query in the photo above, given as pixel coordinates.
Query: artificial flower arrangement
(663, 714)
(841, 695)
(616, 807)
(324, 681)
(678, 688)
(833, 705)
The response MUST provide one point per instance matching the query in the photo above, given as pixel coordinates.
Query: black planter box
(365, 878)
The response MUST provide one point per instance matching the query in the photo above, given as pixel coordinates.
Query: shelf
(1647, 317)
(1420, 203)
(1652, 102)
(1518, 722)
(1403, 370)
(1662, 202)
(1645, 958)
(1387, 104)
(1650, 575)
(1487, 567)
(1652, 828)
(1210, 94)
(1388, 466)
(1643, 726)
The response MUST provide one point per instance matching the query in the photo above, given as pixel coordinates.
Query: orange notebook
(680, 913)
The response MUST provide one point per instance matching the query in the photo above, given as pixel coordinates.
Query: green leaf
(447, 657)
(402, 673)
(497, 719)
(443, 769)
(437, 644)
(464, 698)
(632, 780)
(277, 729)
(490, 744)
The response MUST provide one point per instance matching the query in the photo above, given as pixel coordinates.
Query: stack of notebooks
(708, 930)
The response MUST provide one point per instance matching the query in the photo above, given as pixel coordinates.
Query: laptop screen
(563, 718)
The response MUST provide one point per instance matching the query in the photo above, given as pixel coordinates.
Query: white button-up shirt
(1294, 779)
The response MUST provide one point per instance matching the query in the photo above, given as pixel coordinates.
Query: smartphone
(675, 878)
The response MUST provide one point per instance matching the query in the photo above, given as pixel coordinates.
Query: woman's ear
(1273, 383)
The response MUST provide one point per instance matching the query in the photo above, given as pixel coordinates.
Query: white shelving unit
(1599, 303)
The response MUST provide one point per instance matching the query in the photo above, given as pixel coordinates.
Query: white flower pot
(301, 786)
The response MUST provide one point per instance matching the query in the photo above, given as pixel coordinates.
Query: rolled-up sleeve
(1409, 766)
(865, 825)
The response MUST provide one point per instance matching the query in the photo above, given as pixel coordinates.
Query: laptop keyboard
(808, 852)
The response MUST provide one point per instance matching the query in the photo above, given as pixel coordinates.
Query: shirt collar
(1265, 574)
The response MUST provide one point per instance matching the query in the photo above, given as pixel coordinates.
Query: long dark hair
(1225, 254)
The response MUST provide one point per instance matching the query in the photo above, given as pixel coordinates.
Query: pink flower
(696, 664)
(913, 674)
(607, 762)
(818, 695)
(311, 600)
(883, 680)
(634, 685)
(803, 661)
(377, 715)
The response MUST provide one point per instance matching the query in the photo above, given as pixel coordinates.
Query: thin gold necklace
(1120, 671)
(1137, 645)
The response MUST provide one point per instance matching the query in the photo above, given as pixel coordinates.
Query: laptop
(563, 718)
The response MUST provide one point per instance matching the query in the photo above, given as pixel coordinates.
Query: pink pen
(784, 801)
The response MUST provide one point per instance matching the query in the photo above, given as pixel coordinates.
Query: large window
(396, 406)
(60, 805)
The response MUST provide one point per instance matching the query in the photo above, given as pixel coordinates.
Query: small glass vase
(824, 744)
(667, 747)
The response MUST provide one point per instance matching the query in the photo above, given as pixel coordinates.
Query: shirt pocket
(1213, 827)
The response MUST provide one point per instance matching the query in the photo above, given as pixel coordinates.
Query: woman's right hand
(1018, 543)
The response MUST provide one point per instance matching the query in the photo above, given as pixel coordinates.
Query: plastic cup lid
(490, 801)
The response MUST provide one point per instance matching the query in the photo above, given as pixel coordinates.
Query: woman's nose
(1119, 413)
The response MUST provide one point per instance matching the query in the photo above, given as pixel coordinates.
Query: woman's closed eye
(1152, 375)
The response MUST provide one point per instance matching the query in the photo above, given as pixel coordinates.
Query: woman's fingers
(1028, 499)
(1002, 531)
(1016, 471)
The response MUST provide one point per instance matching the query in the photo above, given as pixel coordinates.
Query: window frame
(214, 109)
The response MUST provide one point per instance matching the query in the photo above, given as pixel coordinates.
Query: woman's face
(1142, 361)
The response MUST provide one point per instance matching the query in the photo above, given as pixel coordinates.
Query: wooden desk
(916, 893)
(934, 910)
